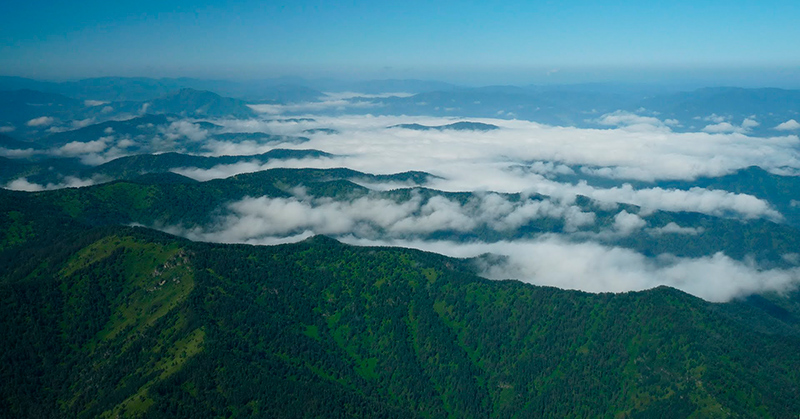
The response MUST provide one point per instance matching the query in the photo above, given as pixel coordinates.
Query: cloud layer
(555, 261)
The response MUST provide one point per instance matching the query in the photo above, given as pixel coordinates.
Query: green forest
(101, 320)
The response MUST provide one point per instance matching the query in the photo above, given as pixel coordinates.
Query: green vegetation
(168, 199)
(129, 322)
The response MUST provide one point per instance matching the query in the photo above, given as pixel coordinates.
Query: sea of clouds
(520, 157)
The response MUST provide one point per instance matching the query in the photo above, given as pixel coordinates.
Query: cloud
(18, 153)
(630, 121)
(77, 148)
(650, 152)
(711, 202)
(722, 127)
(324, 105)
(335, 96)
(717, 119)
(626, 223)
(222, 171)
(524, 156)
(92, 103)
(7, 128)
(750, 123)
(374, 216)
(41, 121)
(790, 125)
(673, 228)
(183, 128)
(555, 261)
(82, 123)
(22, 184)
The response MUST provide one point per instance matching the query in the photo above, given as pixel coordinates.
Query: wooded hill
(118, 321)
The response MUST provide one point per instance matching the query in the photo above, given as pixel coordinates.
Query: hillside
(129, 322)
(204, 205)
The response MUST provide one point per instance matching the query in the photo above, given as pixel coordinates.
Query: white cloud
(22, 184)
(750, 123)
(631, 121)
(77, 148)
(626, 223)
(372, 216)
(712, 202)
(92, 103)
(722, 127)
(334, 104)
(17, 153)
(717, 119)
(520, 157)
(355, 95)
(183, 128)
(41, 121)
(82, 123)
(589, 266)
(790, 125)
(673, 228)
(7, 128)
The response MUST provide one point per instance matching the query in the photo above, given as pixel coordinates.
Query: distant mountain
(395, 86)
(132, 166)
(30, 111)
(321, 131)
(457, 126)
(142, 89)
(148, 124)
(55, 170)
(708, 106)
(200, 104)
(14, 144)
(280, 94)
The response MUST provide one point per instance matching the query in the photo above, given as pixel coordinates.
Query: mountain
(128, 322)
(10, 143)
(143, 89)
(457, 126)
(146, 125)
(779, 190)
(200, 104)
(133, 166)
(30, 112)
(53, 171)
(203, 206)
(700, 108)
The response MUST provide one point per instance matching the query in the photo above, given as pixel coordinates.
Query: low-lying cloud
(41, 121)
(555, 261)
(374, 217)
(22, 184)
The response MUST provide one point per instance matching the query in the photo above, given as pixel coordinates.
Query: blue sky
(508, 41)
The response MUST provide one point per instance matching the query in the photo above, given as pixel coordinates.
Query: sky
(512, 41)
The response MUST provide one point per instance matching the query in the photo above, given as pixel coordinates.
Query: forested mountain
(129, 322)
(105, 314)
(157, 200)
